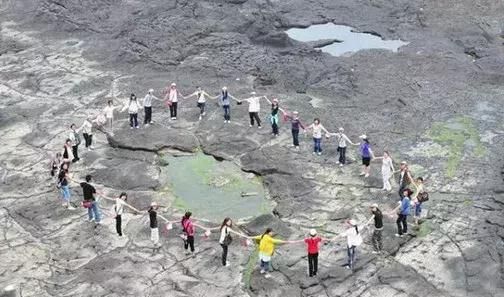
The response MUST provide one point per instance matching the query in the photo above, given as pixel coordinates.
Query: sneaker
(314, 153)
(91, 147)
(375, 252)
(227, 264)
(366, 175)
(259, 127)
(297, 147)
(341, 165)
(131, 128)
(362, 173)
(229, 122)
(88, 149)
(263, 271)
(338, 163)
(138, 127)
(203, 114)
(70, 207)
(146, 125)
(225, 121)
(175, 118)
(319, 153)
(398, 235)
(267, 275)
(98, 223)
(199, 118)
(151, 122)
(250, 126)
(90, 220)
(64, 204)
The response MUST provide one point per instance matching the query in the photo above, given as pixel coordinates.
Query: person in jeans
(133, 107)
(419, 185)
(118, 210)
(188, 227)
(275, 108)
(226, 104)
(367, 155)
(64, 186)
(89, 195)
(354, 239)
(147, 103)
(317, 129)
(295, 125)
(75, 139)
(153, 224)
(376, 239)
(266, 248)
(254, 108)
(225, 239)
(403, 213)
(312, 245)
(342, 140)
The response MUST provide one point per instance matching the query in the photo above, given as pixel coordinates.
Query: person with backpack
(266, 249)
(354, 239)
(76, 140)
(201, 96)
(225, 239)
(118, 211)
(367, 155)
(342, 140)
(295, 125)
(403, 211)
(147, 103)
(153, 224)
(312, 245)
(188, 236)
(56, 163)
(420, 197)
(90, 202)
(64, 186)
(376, 239)
(317, 130)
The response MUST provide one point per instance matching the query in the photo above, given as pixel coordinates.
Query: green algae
(460, 136)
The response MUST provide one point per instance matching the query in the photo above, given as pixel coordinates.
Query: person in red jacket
(312, 244)
(188, 227)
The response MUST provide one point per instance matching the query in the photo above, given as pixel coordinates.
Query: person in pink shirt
(188, 228)
(312, 244)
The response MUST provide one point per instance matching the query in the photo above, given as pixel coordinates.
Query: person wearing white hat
(226, 103)
(171, 99)
(312, 245)
(254, 108)
(354, 239)
(147, 103)
(342, 140)
(154, 236)
(376, 239)
(367, 155)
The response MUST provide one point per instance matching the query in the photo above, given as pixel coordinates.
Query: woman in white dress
(387, 170)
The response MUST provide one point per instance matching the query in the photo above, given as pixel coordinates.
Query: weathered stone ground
(437, 103)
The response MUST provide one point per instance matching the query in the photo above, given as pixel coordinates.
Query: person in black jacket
(378, 228)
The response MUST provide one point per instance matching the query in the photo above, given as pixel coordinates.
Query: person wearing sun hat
(376, 239)
(342, 140)
(312, 244)
(172, 100)
(367, 155)
(354, 239)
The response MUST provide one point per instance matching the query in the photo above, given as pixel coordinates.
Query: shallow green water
(211, 189)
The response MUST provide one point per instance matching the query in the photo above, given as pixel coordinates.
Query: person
(64, 187)
(274, 117)
(376, 239)
(75, 139)
(403, 213)
(118, 211)
(201, 96)
(89, 192)
(342, 140)
(317, 129)
(56, 162)
(387, 170)
(172, 100)
(405, 177)
(109, 113)
(295, 125)
(354, 239)
(225, 239)
(266, 248)
(226, 104)
(254, 108)
(312, 245)
(147, 103)
(188, 228)
(417, 198)
(68, 152)
(153, 223)
(133, 107)
(367, 155)
(87, 132)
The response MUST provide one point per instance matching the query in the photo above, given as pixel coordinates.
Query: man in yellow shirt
(266, 248)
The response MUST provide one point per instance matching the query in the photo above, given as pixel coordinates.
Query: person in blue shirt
(403, 211)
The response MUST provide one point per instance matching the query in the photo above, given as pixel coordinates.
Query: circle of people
(409, 199)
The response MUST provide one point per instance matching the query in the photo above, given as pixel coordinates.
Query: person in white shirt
(317, 129)
(109, 113)
(387, 170)
(342, 140)
(225, 239)
(75, 139)
(147, 103)
(119, 210)
(254, 108)
(354, 239)
(200, 95)
(133, 107)
(171, 99)
(87, 132)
